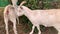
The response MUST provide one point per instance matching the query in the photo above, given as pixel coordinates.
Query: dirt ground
(22, 28)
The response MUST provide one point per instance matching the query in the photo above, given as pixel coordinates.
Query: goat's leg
(14, 25)
(6, 23)
(58, 28)
(18, 20)
(58, 31)
(39, 32)
(32, 30)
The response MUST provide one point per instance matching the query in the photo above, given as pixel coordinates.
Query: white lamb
(10, 13)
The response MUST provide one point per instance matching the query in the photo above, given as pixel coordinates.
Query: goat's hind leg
(6, 23)
(14, 25)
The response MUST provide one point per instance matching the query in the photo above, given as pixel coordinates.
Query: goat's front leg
(6, 23)
(57, 26)
(58, 31)
(39, 32)
(32, 30)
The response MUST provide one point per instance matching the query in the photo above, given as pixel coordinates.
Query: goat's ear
(21, 7)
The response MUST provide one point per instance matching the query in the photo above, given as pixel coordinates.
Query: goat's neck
(28, 13)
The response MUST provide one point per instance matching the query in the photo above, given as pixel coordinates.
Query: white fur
(14, 2)
(12, 16)
(47, 18)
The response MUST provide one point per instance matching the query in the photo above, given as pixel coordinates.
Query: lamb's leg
(39, 32)
(14, 26)
(32, 30)
(6, 23)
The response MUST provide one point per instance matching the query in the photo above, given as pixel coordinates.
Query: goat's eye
(21, 7)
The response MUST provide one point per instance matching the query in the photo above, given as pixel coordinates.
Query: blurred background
(25, 26)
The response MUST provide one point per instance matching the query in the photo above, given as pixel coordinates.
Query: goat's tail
(22, 3)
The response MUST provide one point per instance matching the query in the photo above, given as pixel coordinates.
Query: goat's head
(20, 8)
(20, 11)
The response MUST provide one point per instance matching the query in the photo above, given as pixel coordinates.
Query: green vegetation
(3, 3)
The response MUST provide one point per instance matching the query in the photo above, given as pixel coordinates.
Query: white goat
(10, 13)
(47, 18)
